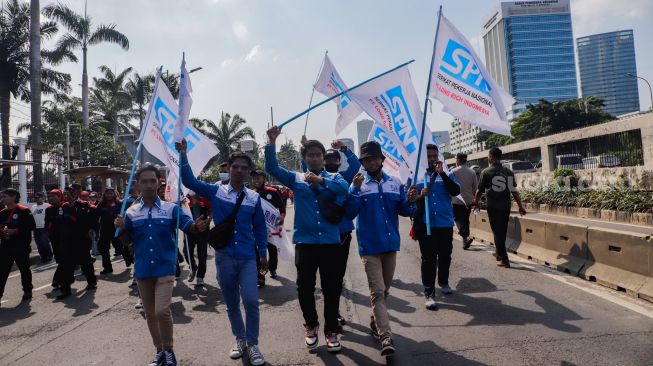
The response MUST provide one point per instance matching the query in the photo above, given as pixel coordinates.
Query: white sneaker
(200, 281)
(238, 349)
(139, 305)
(430, 303)
(310, 336)
(255, 356)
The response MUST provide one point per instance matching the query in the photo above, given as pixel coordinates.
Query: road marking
(637, 305)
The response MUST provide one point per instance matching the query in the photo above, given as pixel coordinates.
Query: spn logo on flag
(394, 163)
(329, 84)
(463, 85)
(392, 103)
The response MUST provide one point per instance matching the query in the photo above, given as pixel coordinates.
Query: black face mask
(373, 174)
(332, 168)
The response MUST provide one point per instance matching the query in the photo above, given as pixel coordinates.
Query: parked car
(520, 166)
(603, 161)
(569, 161)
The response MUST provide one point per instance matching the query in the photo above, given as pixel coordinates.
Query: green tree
(226, 134)
(288, 156)
(15, 67)
(81, 34)
(139, 88)
(547, 118)
(111, 104)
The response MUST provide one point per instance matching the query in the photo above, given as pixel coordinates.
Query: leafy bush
(565, 177)
(607, 199)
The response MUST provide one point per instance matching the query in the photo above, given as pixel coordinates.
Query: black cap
(74, 187)
(332, 153)
(370, 149)
(40, 194)
(258, 172)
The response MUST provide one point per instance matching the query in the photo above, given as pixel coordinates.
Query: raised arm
(272, 167)
(188, 177)
(353, 168)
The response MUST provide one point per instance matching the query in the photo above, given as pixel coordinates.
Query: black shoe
(341, 320)
(64, 294)
(178, 271)
(91, 286)
(273, 274)
(106, 271)
(261, 282)
(387, 347)
(128, 261)
(55, 285)
(27, 295)
(467, 242)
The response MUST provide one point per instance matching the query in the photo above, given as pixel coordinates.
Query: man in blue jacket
(346, 226)
(236, 263)
(152, 225)
(436, 248)
(378, 199)
(316, 235)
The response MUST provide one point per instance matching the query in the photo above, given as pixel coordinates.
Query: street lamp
(649, 86)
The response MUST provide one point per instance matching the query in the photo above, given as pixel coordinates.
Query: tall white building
(363, 129)
(442, 139)
(463, 138)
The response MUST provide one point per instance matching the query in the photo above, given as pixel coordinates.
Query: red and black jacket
(20, 217)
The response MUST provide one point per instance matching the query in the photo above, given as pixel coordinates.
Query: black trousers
(199, 242)
(309, 258)
(436, 256)
(499, 223)
(20, 255)
(345, 243)
(104, 244)
(273, 260)
(75, 254)
(461, 217)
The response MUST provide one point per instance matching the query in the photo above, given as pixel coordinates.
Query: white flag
(394, 164)
(185, 102)
(329, 83)
(159, 141)
(391, 101)
(463, 85)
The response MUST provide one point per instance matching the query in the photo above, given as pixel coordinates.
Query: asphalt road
(526, 315)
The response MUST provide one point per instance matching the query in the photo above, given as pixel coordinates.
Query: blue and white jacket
(440, 208)
(346, 225)
(250, 232)
(152, 230)
(310, 226)
(378, 206)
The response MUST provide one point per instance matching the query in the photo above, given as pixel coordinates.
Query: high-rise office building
(363, 129)
(463, 138)
(529, 51)
(604, 62)
(442, 139)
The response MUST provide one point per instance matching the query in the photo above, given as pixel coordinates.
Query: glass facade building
(604, 62)
(529, 50)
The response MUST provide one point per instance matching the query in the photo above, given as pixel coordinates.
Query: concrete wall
(643, 122)
(638, 177)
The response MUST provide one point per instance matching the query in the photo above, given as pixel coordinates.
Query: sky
(257, 54)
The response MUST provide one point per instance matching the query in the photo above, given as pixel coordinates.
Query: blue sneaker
(171, 360)
(158, 360)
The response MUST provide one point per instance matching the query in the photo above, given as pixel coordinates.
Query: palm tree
(226, 134)
(15, 66)
(139, 89)
(81, 35)
(110, 101)
(35, 88)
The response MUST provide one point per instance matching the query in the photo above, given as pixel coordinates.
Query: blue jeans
(238, 278)
(43, 244)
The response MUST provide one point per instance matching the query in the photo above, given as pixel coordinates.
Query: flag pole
(187, 245)
(138, 149)
(426, 103)
(313, 90)
(344, 92)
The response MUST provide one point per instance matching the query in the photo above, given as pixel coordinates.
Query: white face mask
(224, 176)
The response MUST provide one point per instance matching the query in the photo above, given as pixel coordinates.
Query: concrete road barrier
(568, 244)
(620, 260)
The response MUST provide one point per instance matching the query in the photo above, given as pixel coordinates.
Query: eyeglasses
(239, 167)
